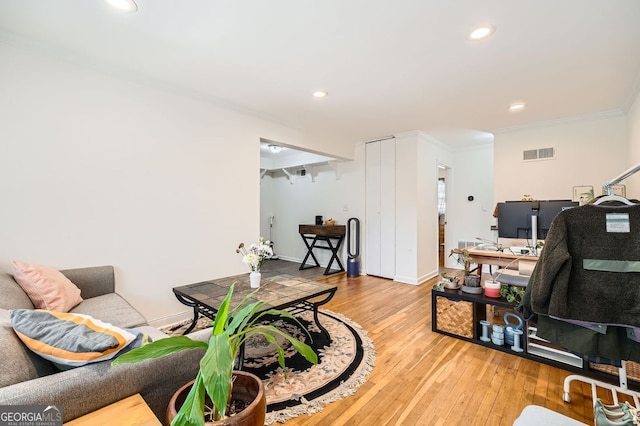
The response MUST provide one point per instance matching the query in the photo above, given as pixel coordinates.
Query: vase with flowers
(254, 256)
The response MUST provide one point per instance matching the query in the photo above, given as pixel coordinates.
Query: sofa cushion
(13, 296)
(111, 308)
(47, 287)
(19, 364)
(69, 339)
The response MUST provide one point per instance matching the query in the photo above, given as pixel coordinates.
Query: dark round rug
(302, 388)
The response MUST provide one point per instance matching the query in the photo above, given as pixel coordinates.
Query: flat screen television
(514, 217)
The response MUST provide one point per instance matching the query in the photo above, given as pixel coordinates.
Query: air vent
(539, 154)
(463, 244)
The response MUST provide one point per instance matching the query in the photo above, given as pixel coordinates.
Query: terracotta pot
(246, 387)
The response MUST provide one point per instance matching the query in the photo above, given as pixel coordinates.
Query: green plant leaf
(158, 348)
(304, 349)
(192, 411)
(242, 317)
(216, 367)
(219, 324)
(286, 314)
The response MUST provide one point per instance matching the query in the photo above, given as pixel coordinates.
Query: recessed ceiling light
(481, 32)
(320, 94)
(516, 106)
(124, 5)
(275, 149)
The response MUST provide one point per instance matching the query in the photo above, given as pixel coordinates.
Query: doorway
(294, 189)
(442, 209)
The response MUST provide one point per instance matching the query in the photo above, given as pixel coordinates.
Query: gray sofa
(26, 378)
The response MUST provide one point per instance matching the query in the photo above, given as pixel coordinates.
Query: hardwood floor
(425, 378)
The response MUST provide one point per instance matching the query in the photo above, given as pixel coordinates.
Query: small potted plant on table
(471, 281)
(450, 282)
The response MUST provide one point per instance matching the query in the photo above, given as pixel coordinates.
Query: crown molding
(551, 123)
(633, 95)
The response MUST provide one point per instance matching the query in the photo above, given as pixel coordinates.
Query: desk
(331, 235)
(502, 259)
(131, 411)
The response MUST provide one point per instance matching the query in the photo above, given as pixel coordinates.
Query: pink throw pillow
(47, 287)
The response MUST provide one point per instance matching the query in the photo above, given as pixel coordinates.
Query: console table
(332, 235)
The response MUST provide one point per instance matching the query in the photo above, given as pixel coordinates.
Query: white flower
(251, 259)
(256, 254)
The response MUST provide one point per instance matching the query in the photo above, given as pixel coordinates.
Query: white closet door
(388, 208)
(380, 212)
(372, 210)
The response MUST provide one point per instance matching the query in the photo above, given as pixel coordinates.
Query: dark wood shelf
(534, 348)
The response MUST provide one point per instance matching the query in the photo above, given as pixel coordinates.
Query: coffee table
(278, 291)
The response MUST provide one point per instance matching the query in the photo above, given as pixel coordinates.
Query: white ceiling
(389, 66)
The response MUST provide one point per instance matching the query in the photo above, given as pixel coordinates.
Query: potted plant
(215, 379)
(471, 282)
(448, 281)
(512, 293)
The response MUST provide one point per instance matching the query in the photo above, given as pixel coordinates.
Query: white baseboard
(426, 277)
(171, 319)
(309, 261)
(405, 280)
(290, 259)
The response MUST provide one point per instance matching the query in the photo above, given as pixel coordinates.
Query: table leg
(240, 360)
(309, 253)
(334, 255)
(193, 323)
(195, 312)
(316, 305)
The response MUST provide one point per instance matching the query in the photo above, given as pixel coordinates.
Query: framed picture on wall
(620, 190)
(583, 194)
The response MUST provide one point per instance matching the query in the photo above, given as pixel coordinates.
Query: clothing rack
(622, 387)
(606, 188)
(615, 390)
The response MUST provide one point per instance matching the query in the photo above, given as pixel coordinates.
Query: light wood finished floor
(425, 378)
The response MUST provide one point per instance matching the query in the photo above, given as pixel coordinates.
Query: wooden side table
(330, 235)
(131, 411)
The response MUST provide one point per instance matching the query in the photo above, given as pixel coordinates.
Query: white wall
(97, 170)
(633, 122)
(431, 153)
(589, 152)
(407, 214)
(471, 173)
(301, 199)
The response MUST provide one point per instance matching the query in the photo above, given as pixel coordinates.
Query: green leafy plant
(231, 328)
(445, 280)
(512, 293)
(452, 278)
(538, 248)
(463, 257)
